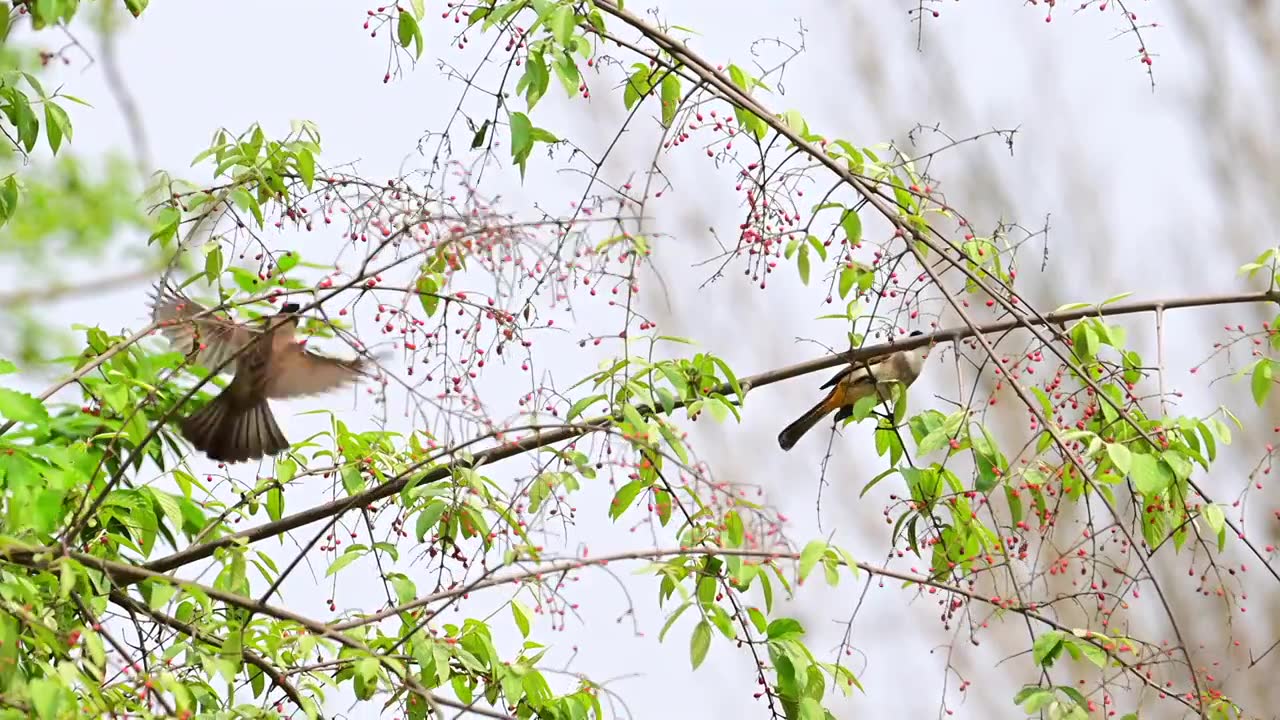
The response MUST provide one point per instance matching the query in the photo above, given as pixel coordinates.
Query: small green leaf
(699, 643)
(8, 198)
(1150, 475)
(521, 139)
(1261, 384)
(22, 407)
(810, 555)
(1214, 515)
(1092, 653)
(306, 167)
(1032, 698)
(522, 616)
(407, 31)
(1047, 647)
(852, 226)
(57, 125)
(670, 97)
(477, 140)
(275, 503)
(428, 294)
(562, 23)
(428, 518)
(582, 404)
(1120, 457)
(343, 560)
(784, 628)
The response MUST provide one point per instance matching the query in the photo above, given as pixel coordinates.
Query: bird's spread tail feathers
(792, 433)
(227, 433)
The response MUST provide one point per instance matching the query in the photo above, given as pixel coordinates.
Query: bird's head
(923, 350)
(290, 308)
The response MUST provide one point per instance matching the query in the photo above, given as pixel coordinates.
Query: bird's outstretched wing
(208, 340)
(296, 371)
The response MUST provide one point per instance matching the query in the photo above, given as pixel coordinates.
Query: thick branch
(555, 434)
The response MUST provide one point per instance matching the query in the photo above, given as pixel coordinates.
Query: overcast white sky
(1123, 173)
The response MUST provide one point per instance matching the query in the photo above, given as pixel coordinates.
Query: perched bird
(238, 425)
(854, 383)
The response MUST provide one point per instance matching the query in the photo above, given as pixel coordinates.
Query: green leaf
(343, 560)
(670, 97)
(1214, 515)
(306, 166)
(24, 408)
(810, 556)
(847, 277)
(57, 125)
(785, 628)
(521, 139)
(7, 367)
(802, 264)
(1032, 698)
(699, 643)
(161, 593)
(8, 198)
(1120, 457)
(46, 697)
(1047, 647)
(1150, 475)
(1092, 653)
(428, 518)
(1261, 384)
(523, 617)
(407, 31)
(428, 294)
(852, 226)
(811, 709)
(582, 404)
(562, 23)
(567, 70)
(477, 140)
(624, 497)
(275, 503)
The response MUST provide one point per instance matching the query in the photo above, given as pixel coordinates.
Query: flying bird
(855, 382)
(238, 425)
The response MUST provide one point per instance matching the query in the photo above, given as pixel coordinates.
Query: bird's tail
(792, 433)
(228, 433)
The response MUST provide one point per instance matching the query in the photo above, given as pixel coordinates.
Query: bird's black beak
(290, 308)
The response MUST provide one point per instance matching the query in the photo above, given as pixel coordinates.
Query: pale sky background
(1160, 194)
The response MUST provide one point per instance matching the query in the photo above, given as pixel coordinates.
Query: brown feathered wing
(207, 340)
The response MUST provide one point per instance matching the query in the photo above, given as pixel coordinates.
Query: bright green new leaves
(20, 407)
(800, 249)
(699, 643)
(1262, 379)
(1082, 645)
(261, 171)
(748, 120)
(645, 78)
(1266, 259)
(1150, 475)
(408, 32)
(523, 136)
(558, 29)
(8, 198)
(23, 111)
